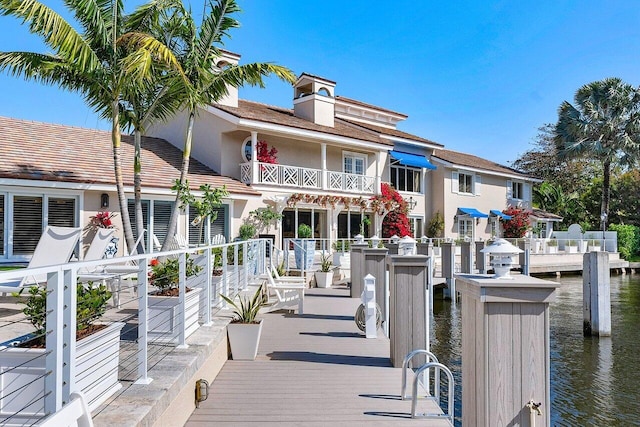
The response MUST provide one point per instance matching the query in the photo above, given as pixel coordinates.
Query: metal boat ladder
(438, 368)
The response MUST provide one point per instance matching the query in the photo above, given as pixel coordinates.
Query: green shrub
(436, 225)
(628, 239)
(304, 231)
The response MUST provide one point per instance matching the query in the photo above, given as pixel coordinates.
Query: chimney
(226, 59)
(314, 99)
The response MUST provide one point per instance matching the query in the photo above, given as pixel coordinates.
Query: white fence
(142, 328)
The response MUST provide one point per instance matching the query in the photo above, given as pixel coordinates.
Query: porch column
(323, 159)
(254, 157)
(377, 189)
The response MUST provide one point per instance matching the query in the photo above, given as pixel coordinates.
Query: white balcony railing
(295, 176)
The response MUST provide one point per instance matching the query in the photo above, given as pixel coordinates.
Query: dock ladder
(438, 368)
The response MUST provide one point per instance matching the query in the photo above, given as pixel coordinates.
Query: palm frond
(55, 30)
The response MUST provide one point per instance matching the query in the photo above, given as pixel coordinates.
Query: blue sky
(477, 76)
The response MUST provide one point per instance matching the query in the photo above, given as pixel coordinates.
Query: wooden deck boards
(312, 370)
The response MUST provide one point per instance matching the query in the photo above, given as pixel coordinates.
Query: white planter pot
(552, 249)
(244, 339)
(324, 280)
(594, 248)
(572, 249)
(22, 380)
(163, 316)
(582, 245)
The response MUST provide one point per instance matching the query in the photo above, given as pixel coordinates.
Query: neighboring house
(542, 222)
(61, 175)
(327, 146)
(471, 193)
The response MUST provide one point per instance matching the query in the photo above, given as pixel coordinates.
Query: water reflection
(594, 381)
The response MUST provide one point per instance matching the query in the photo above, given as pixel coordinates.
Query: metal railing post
(182, 312)
(54, 342)
(207, 283)
(143, 324)
(69, 318)
(245, 263)
(225, 283)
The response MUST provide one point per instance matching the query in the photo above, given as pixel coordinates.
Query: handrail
(438, 367)
(405, 366)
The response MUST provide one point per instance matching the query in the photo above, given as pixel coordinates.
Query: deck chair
(287, 294)
(73, 414)
(277, 253)
(54, 247)
(96, 251)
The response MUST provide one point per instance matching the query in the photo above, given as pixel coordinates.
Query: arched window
(324, 92)
(246, 149)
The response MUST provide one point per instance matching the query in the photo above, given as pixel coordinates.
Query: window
(218, 226)
(405, 178)
(354, 163)
(416, 226)
(156, 212)
(465, 228)
(349, 225)
(246, 149)
(517, 190)
(465, 183)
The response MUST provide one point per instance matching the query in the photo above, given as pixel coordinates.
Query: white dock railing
(37, 381)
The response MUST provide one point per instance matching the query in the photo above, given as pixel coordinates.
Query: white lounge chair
(73, 414)
(288, 294)
(54, 247)
(96, 251)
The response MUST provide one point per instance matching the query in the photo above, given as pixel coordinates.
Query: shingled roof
(462, 159)
(284, 116)
(392, 132)
(52, 152)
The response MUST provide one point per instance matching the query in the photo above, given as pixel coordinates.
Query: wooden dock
(312, 370)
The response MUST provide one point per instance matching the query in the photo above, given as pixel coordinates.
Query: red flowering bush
(103, 219)
(518, 225)
(396, 221)
(266, 154)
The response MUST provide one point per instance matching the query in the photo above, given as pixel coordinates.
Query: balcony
(307, 178)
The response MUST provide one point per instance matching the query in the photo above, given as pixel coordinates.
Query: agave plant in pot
(324, 276)
(164, 314)
(97, 355)
(244, 330)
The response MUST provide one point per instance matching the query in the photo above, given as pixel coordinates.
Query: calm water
(594, 382)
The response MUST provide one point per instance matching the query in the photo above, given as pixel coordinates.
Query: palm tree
(604, 124)
(100, 63)
(198, 52)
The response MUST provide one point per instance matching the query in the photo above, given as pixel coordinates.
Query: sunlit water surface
(594, 381)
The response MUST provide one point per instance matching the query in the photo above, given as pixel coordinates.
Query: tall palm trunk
(137, 184)
(117, 166)
(606, 184)
(184, 172)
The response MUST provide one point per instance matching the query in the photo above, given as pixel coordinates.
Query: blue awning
(473, 213)
(412, 160)
(500, 214)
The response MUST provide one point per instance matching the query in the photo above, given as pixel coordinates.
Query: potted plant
(163, 302)
(244, 330)
(324, 276)
(264, 218)
(552, 246)
(304, 248)
(594, 245)
(97, 355)
(572, 247)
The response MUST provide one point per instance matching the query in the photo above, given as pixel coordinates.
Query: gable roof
(285, 117)
(391, 132)
(52, 152)
(370, 106)
(467, 160)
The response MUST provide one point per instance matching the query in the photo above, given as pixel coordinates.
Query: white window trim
(242, 151)
(419, 170)
(355, 155)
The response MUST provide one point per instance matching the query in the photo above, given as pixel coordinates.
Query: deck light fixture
(502, 257)
(104, 200)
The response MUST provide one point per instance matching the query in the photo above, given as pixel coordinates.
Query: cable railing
(136, 330)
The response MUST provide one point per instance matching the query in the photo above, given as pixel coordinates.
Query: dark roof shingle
(52, 152)
(285, 117)
(463, 159)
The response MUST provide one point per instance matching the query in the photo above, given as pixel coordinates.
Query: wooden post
(448, 268)
(466, 258)
(409, 277)
(481, 257)
(505, 349)
(375, 265)
(393, 248)
(357, 268)
(596, 294)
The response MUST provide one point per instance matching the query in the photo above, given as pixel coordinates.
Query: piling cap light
(394, 239)
(359, 238)
(502, 257)
(407, 246)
